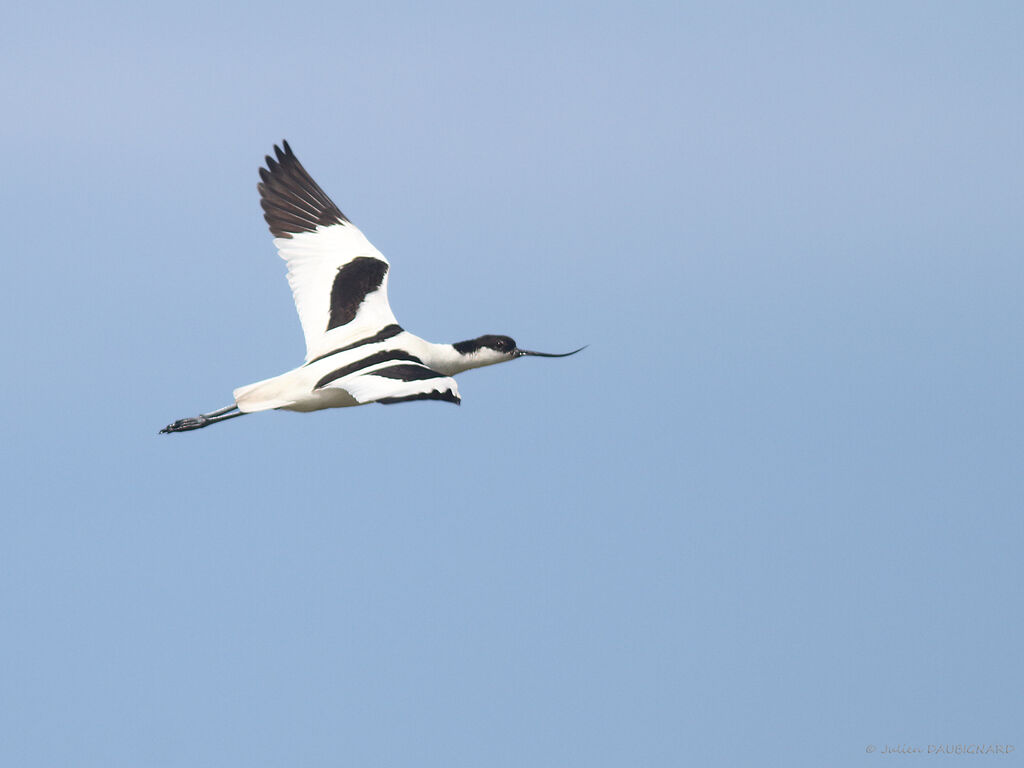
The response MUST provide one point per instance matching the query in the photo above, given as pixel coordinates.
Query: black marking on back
(353, 283)
(366, 362)
(384, 334)
(499, 343)
(292, 202)
(447, 395)
(406, 373)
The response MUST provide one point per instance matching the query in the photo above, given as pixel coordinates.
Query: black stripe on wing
(447, 395)
(292, 202)
(386, 333)
(374, 359)
(410, 372)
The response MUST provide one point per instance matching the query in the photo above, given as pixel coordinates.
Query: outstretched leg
(203, 419)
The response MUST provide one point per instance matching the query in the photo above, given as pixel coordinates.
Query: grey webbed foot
(202, 420)
(184, 425)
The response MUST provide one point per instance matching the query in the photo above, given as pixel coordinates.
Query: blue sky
(772, 515)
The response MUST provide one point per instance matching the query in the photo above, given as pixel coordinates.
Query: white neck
(444, 358)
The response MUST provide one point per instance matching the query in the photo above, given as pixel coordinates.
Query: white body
(296, 390)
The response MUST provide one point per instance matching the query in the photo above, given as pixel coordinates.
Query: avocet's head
(490, 349)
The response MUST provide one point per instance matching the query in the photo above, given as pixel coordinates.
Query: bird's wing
(338, 279)
(392, 376)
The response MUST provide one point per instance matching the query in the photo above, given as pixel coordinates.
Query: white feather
(367, 388)
(314, 259)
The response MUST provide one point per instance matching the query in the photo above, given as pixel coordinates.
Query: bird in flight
(356, 352)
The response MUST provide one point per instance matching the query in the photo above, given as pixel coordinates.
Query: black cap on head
(497, 343)
(503, 345)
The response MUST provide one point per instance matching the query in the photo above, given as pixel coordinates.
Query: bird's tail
(262, 396)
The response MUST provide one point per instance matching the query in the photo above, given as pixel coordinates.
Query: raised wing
(391, 376)
(339, 280)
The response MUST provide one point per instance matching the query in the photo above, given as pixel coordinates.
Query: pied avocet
(356, 353)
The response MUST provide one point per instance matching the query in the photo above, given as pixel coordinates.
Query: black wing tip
(293, 202)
